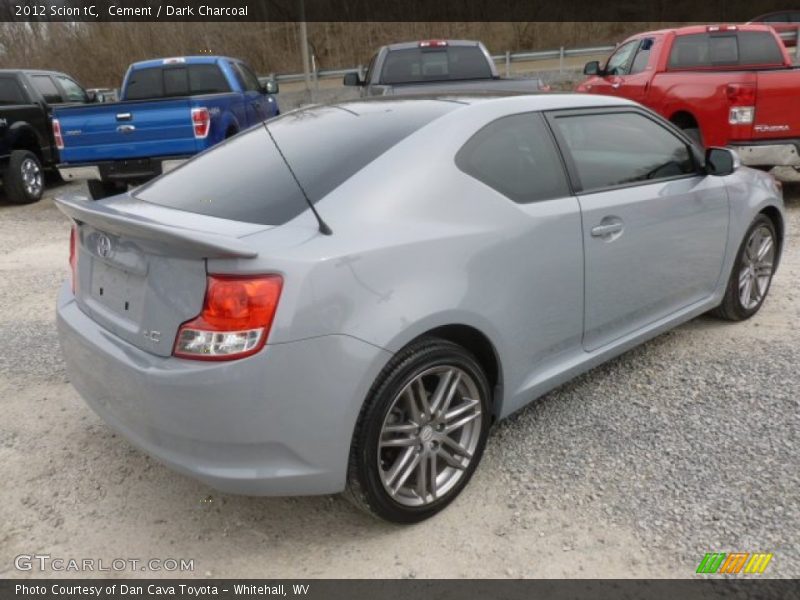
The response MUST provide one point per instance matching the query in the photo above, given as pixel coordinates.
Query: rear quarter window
(245, 178)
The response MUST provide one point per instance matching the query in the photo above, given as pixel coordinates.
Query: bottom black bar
(397, 589)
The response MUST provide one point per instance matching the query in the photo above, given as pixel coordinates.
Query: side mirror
(271, 86)
(592, 68)
(352, 79)
(721, 161)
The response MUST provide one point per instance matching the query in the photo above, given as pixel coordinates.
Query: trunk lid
(126, 130)
(141, 268)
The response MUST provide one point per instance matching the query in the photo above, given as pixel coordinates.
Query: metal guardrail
(506, 59)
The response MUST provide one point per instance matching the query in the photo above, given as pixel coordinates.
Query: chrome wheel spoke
(757, 267)
(429, 436)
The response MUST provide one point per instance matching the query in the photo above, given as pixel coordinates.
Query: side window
(251, 83)
(620, 61)
(622, 148)
(10, 92)
(237, 74)
(516, 156)
(370, 68)
(74, 92)
(47, 88)
(642, 57)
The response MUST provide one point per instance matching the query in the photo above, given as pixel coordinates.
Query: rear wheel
(24, 177)
(752, 272)
(421, 432)
(103, 189)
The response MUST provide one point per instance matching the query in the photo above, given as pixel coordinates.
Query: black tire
(103, 189)
(19, 190)
(731, 308)
(365, 488)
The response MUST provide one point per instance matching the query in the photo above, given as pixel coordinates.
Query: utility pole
(304, 47)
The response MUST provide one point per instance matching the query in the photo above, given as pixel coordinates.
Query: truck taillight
(57, 134)
(73, 257)
(201, 121)
(742, 101)
(235, 321)
(433, 44)
(715, 28)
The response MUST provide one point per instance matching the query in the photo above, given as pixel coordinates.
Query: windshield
(415, 65)
(245, 178)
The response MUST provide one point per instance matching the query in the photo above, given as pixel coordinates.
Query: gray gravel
(686, 445)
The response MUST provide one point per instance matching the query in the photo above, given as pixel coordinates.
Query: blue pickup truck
(170, 110)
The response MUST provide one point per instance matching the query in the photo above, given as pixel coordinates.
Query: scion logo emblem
(103, 246)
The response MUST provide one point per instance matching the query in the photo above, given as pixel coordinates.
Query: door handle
(615, 85)
(126, 128)
(607, 229)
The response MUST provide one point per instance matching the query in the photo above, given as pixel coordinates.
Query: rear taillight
(742, 101)
(235, 321)
(73, 256)
(57, 134)
(201, 121)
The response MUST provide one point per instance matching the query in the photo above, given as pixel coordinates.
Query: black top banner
(710, 11)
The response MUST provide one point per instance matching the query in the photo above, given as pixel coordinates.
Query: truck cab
(170, 110)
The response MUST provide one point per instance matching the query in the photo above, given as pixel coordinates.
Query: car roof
(29, 72)
(694, 29)
(187, 60)
(416, 44)
(532, 102)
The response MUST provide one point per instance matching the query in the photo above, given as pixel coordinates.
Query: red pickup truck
(724, 85)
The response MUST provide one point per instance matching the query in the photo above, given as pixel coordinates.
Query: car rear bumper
(277, 423)
(769, 154)
(124, 171)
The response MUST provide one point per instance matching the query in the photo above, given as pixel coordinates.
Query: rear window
(171, 81)
(727, 49)
(415, 65)
(10, 92)
(245, 178)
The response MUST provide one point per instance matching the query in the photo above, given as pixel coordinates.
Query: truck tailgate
(777, 108)
(126, 130)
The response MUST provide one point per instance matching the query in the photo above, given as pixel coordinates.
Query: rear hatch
(141, 268)
(126, 130)
(777, 109)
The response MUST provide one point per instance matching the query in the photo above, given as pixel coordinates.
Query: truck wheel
(103, 189)
(24, 179)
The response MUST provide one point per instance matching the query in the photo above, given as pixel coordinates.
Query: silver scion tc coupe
(346, 297)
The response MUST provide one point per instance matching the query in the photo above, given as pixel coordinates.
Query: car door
(654, 225)
(635, 84)
(617, 65)
(259, 105)
(540, 254)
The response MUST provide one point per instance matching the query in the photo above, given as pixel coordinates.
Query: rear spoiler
(107, 219)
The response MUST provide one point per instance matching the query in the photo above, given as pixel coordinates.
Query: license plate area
(120, 291)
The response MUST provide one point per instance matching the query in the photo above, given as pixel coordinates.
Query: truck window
(619, 62)
(642, 58)
(325, 146)
(10, 92)
(516, 156)
(165, 82)
(73, 91)
(249, 78)
(47, 88)
(415, 65)
(745, 48)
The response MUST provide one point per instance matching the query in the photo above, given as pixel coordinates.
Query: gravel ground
(686, 445)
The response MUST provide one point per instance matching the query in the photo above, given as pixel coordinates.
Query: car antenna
(323, 226)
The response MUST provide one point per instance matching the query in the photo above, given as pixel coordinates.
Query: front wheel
(421, 432)
(752, 272)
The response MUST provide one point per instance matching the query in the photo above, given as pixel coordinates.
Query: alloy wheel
(32, 177)
(757, 266)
